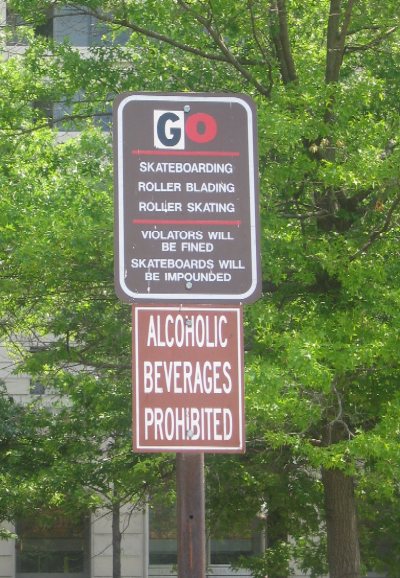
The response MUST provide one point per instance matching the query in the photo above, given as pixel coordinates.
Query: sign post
(190, 515)
(186, 232)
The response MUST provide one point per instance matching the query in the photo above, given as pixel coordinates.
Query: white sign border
(240, 447)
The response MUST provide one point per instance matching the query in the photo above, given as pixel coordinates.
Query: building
(83, 548)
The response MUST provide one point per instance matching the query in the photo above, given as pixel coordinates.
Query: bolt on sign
(188, 379)
(186, 209)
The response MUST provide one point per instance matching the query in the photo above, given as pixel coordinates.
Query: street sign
(186, 208)
(188, 379)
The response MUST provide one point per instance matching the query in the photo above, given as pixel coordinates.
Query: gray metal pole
(191, 515)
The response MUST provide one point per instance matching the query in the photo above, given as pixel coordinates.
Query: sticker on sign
(188, 379)
(186, 198)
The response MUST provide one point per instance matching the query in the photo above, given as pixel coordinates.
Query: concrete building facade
(83, 549)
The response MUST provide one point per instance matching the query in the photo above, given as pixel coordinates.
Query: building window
(16, 25)
(224, 549)
(53, 546)
(37, 388)
(228, 549)
(79, 28)
(45, 26)
(162, 535)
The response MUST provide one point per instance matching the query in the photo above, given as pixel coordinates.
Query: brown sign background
(188, 379)
(186, 215)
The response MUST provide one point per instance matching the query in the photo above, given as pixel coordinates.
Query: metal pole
(191, 515)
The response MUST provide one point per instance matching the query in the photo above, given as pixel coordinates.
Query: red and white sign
(188, 379)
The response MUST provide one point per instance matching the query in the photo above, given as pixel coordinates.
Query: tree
(10, 430)
(90, 463)
(58, 294)
(21, 457)
(323, 367)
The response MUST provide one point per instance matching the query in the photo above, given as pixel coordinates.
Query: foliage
(322, 367)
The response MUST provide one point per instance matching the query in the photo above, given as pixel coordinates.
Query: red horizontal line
(184, 222)
(175, 153)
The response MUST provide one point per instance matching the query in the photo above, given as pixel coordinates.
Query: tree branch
(261, 48)
(52, 122)
(374, 42)
(148, 33)
(280, 38)
(229, 57)
(378, 233)
(311, 215)
(338, 419)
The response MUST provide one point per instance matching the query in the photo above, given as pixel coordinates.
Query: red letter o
(209, 124)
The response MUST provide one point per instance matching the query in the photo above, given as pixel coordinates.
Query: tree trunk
(280, 38)
(341, 525)
(116, 540)
(336, 38)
